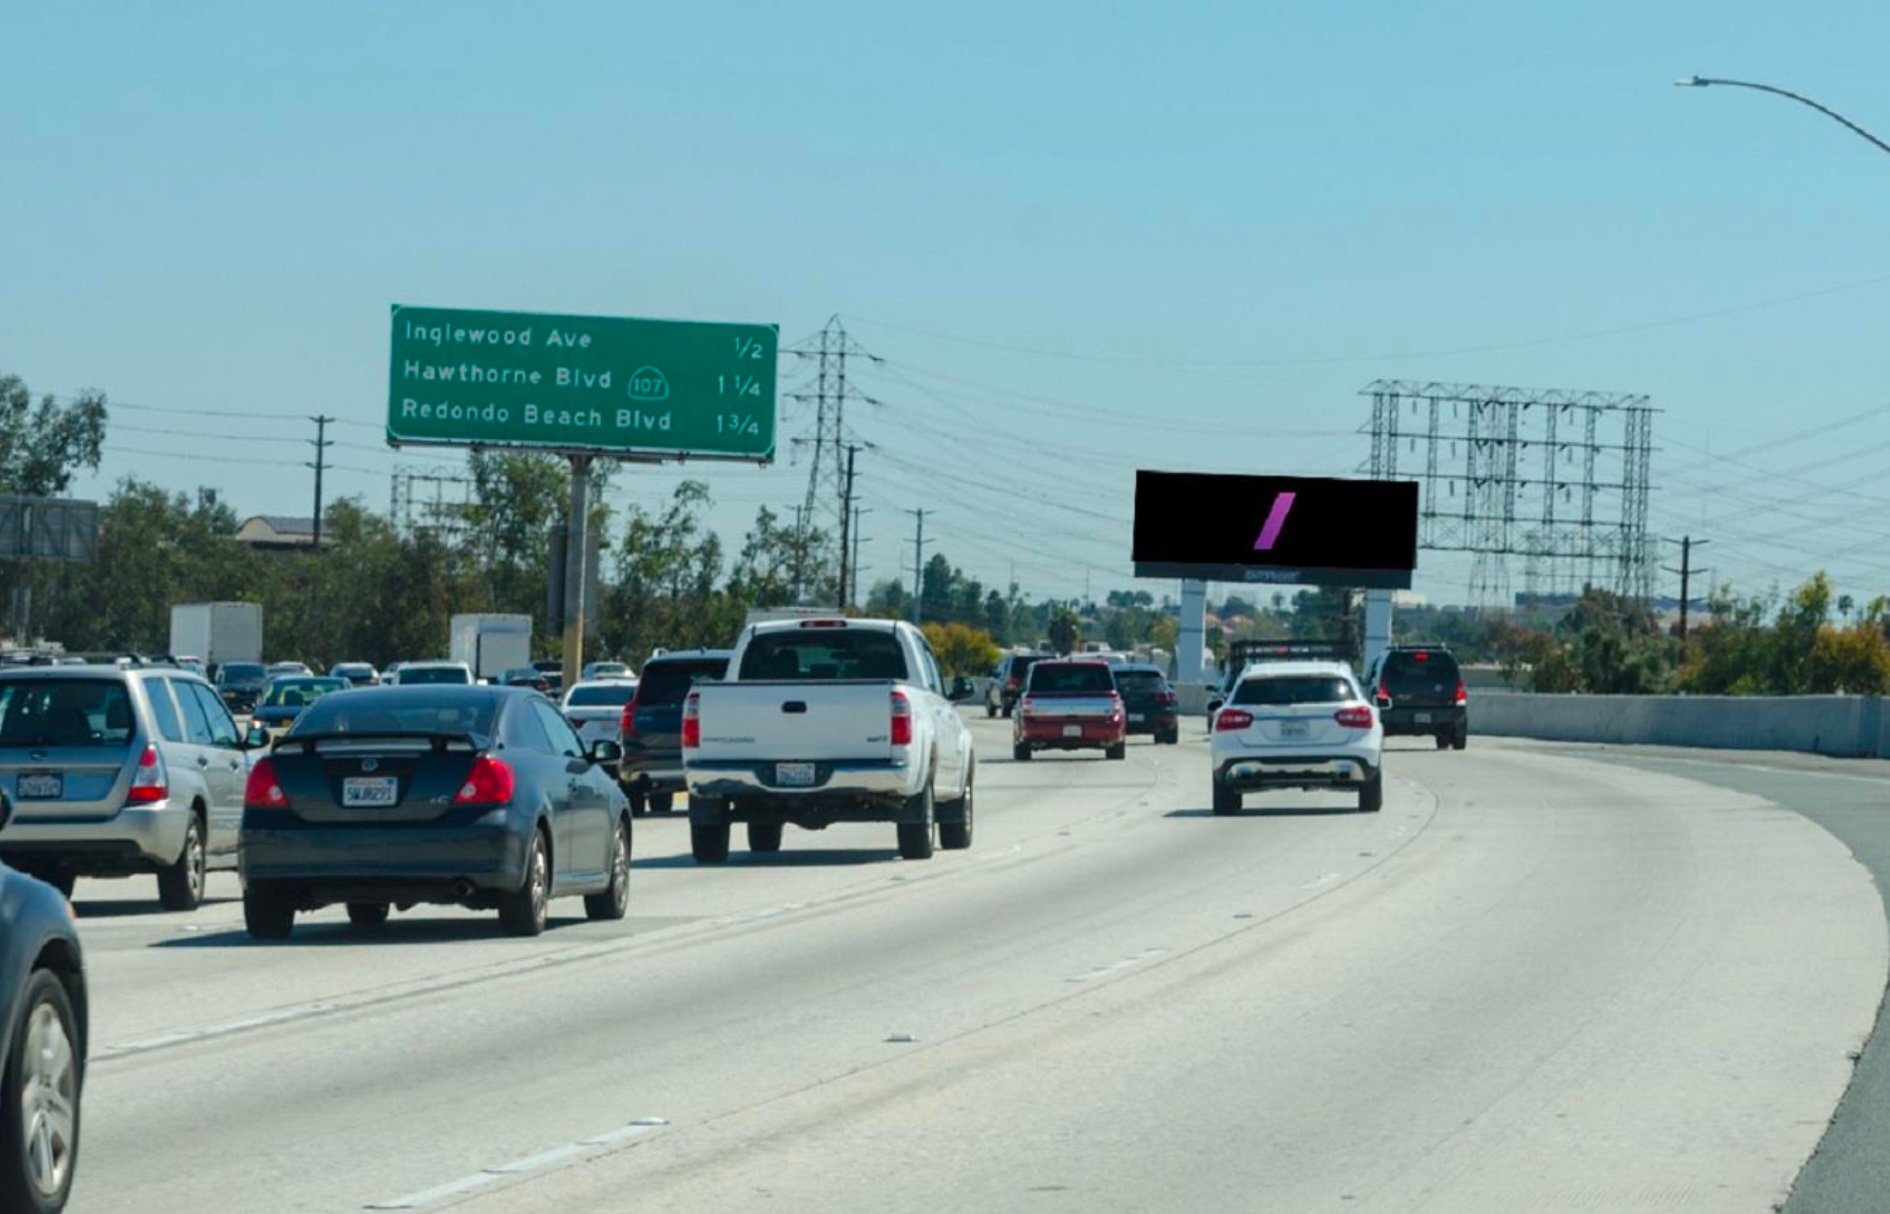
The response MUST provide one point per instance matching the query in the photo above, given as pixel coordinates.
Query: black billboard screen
(1314, 531)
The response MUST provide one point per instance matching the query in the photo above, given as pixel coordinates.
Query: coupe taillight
(692, 722)
(262, 791)
(150, 783)
(1359, 717)
(490, 782)
(901, 719)
(1230, 719)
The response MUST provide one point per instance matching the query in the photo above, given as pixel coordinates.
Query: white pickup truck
(827, 720)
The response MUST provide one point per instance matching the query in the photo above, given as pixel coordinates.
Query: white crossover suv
(1297, 725)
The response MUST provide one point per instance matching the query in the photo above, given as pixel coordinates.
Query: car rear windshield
(1071, 676)
(1020, 665)
(1422, 666)
(64, 712)
(379, 712)
(410, 675)
(1295, 689)
(668, 682)
(291, 693)
(234, 671)
(1140, 681)
(818, 654)
(603, 695)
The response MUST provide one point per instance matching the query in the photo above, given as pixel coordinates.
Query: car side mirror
(257, 738)
(606, 750)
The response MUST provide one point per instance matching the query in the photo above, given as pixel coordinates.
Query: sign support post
(576, 549)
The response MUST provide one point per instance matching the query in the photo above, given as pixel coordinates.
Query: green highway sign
(581, 383)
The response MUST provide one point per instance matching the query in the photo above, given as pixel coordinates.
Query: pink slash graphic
(1276, 519)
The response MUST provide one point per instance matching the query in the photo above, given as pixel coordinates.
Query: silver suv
(114, 771)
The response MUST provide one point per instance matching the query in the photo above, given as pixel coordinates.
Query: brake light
(149, 783)
(1463, 696)
(1012, 683)
(627, 725)
(1230, 719)
(1026, 706)
(1167, 697)
(490, 782)
(692, 722)
(1384, 696)
(901, 719)
(1422, 657)
(262, 791)
(823, 623)
(1354, 718)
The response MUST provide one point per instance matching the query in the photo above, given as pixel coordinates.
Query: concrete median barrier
(1828, 725)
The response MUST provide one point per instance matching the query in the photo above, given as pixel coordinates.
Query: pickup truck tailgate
(788, 721)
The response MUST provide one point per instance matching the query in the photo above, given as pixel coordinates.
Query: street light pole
(1700, 82)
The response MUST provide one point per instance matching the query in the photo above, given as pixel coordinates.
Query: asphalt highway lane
(1534, 981)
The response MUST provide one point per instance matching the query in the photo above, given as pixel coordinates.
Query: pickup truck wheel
(956, 836)
(764, 837)
(915, 838)
(662, 802)
(708, 844)
(180, 885)
(1371, 796)
(1119, 751)
(1020, 752)
(1226, 800)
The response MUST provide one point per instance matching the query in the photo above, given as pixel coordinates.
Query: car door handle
(203, 760)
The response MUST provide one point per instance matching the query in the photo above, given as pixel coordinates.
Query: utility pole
(1686, 579)
(848, 559)
(321, 443)
(857, 541)
(918, 567)
(576, 550)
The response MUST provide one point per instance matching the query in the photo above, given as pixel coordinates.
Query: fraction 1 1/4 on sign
(738, 385)
(735, 423)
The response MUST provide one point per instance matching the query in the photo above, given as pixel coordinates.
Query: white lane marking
(640, 1128)
(1103, 971)
(766, 912)
(223, 1029)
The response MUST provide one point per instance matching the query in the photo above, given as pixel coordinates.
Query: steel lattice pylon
(1500, 470)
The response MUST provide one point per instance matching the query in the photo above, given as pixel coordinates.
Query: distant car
(595, 709)
(193, 665)
(1151, 704)
(113, 772)
(1007, 682)
(287, 697)
(606, 670)
(553, 670)
(44, 1028)
(412, 674)
(526, 676)
(651, 726)
(278, 669)
(1419, 691)
(472, 796)
(358, 674)
(1297, 725)
(241, 684)
(1070, 704)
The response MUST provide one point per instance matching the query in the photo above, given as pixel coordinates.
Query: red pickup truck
(1070, 705)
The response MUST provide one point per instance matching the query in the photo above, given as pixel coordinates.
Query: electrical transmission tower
(1558, 478)
(415, 509)
(829, 391)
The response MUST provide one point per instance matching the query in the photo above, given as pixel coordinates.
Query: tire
(180, 885)
(1170, 738)
(1020, 752)
(990, 710)
(639, 803)
(1462, 739)
(1371, 795)
(1007, 712)
(915, 838)
(764, 837)
(523, 911)
(267, 915)
(1443, 743)
(662, 802)
(1119, 751)
(367, 914)
(613, 902)
(956, 836)
(41, 1094)
(708, 844)
(1226, 800)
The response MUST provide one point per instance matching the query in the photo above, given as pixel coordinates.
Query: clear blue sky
(1234, 215)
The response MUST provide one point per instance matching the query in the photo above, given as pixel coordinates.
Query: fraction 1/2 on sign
(736, 423)
(737, 385)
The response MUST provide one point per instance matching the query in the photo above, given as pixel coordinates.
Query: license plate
(41, 786)
(1072, 731)
(1136, 718)
(794, 775)
(1420, 718)
(1295, 729)
(366, 792)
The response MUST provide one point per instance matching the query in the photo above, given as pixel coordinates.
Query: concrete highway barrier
(1828, 725)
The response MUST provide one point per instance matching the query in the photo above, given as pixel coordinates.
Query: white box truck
(491, 644)
(217, 632)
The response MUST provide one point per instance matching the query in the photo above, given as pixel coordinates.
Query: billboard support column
(1191, 640)
(576, 550)
(1377, 626)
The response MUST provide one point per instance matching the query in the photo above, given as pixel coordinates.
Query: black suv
(1419, 692)
(1007, 682)
(651, 731)
(1151, 704)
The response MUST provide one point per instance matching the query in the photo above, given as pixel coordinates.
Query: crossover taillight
(1230, 719)
(1359, 717)
(150, 783)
